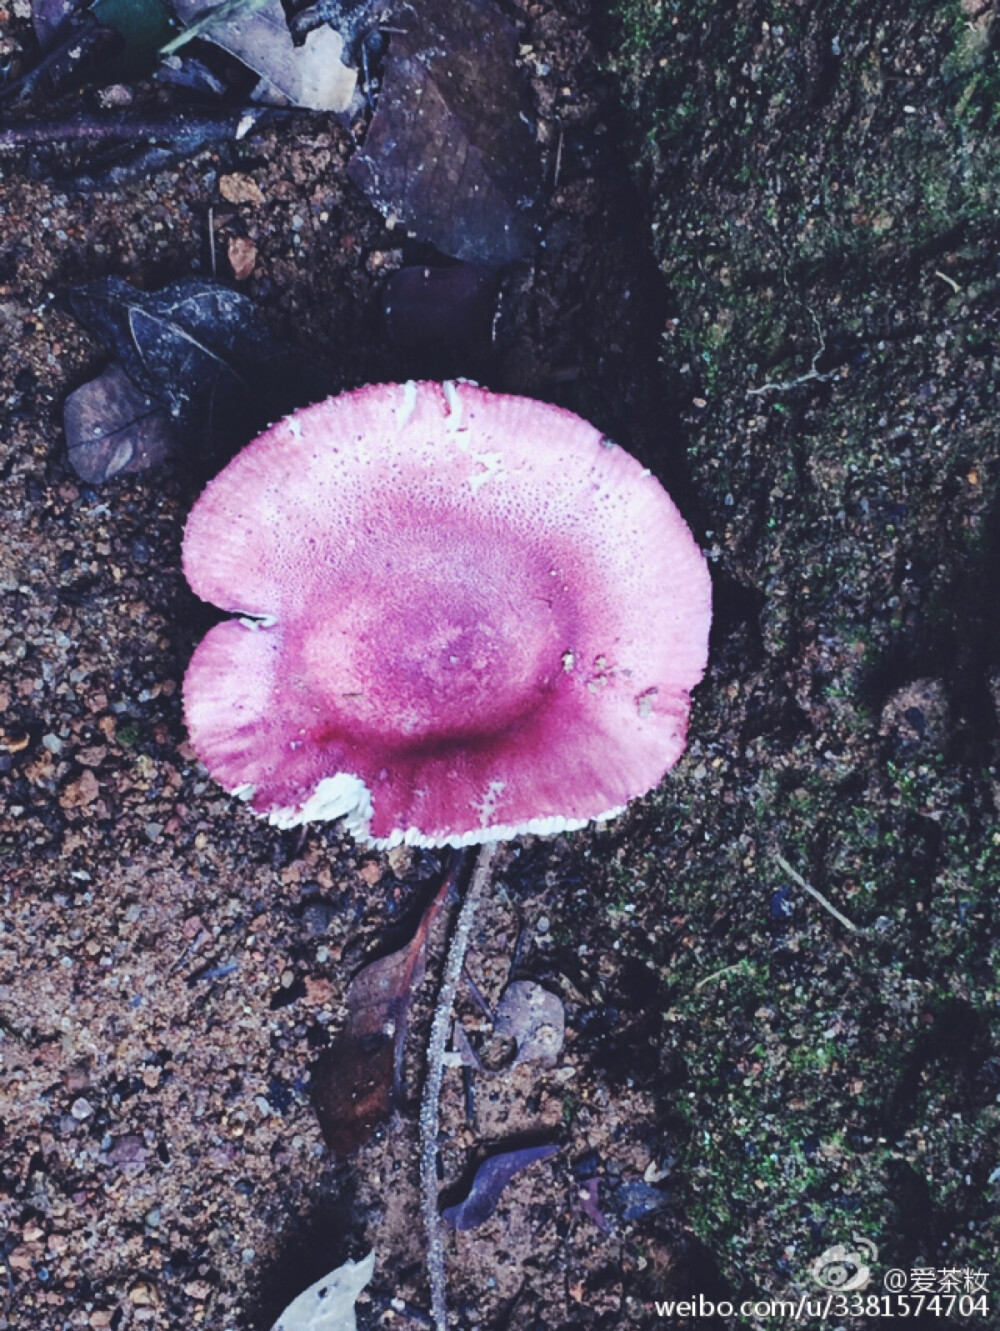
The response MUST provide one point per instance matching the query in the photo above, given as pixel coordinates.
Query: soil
(767, 266)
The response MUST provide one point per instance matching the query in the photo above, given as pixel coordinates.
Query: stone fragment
(238, 188)
(113, 428)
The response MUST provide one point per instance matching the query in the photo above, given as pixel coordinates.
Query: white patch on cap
(487, 806)
(341, 796)
(492, 463)
(454, 404)
(506, 832)
(294, 428)
(409, 404)
(346, 797)
(644, 703)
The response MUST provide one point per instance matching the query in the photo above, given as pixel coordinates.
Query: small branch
(950, 280)
(808, 887)
(118, 129)
(812, 375)
(211, 240)
(430, 1105)
(559, 156)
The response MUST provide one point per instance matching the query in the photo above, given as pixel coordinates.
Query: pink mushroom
(461, 616)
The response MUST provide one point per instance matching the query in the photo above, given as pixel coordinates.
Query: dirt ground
(768, 266)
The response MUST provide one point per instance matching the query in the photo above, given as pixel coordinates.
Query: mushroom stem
(430, 1105)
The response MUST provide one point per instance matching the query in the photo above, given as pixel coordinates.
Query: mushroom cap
(462, 616)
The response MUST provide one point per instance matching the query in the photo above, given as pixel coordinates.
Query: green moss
(130, 734)
(824, 198)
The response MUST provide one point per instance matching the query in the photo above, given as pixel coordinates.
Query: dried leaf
(450, 150)
(490, 1179)
(199, 18)
(201, 348)
(181, 341)
(238, 188)
(312, 75)
(329, 1304)
(143, 25)
(355, 1079)
(378, 996)
(535, 1019)
(113, 428)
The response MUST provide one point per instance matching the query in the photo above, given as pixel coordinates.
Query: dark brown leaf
(50, 18)
(202, 349)
(113, 428)
(355, 1081)
(352, 1090)
(450, 149)
(312, 75)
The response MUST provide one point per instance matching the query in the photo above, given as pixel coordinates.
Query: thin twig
(808, 887)
(218, 14)
(812, 374)
(430, 1105)
(717, 975)
(211, 240)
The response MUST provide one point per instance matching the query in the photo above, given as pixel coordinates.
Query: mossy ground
(824, 183)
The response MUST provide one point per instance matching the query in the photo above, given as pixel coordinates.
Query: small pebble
(81, 1109)
(242, 254)
(240, 189)
(116, 95)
